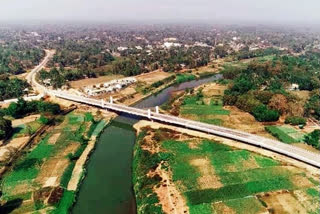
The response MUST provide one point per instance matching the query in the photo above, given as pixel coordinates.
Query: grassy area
(240, 175)
(26, 129)
(181, 78)
(285, 134)
(194, 107)
(204, 110)
(27, 168)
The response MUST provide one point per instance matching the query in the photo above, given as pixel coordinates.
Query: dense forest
(12, 88)
(81, 55)
(17, 58)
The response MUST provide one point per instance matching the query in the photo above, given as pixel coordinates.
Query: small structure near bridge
(109, 87)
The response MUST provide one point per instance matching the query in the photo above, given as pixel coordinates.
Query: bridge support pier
(149, 113)
(111, 100)
(157, 109)
(102, 103)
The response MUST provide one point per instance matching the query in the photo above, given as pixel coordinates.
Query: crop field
(198, 108)
(216, 178)
(285, 134)
(38, 179)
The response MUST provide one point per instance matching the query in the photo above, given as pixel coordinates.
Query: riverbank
(78, 173)
(47, 175)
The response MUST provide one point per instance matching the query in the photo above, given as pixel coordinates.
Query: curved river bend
(107, 187)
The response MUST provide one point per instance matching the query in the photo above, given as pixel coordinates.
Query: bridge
(265, 143)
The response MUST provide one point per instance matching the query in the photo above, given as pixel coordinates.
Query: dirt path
(169, 196)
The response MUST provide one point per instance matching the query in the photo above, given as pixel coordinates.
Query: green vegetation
(259, 88)
(263, 114)
(313, 139)
(28, 167)
(65, 202)
(237, 190)
(313, 104)
(283, 134)
(12, 88)
(242, 174)
(16, 59)
(193, 105)
(245, 205)
(22, 108)
(184, 78)
(30, 171)
(5, 128)
(146, 199)
(26, 129)
(294, 120)
(60, 77)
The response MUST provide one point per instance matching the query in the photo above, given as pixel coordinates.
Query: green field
(242, 175)
(195, 107)
(285, 134)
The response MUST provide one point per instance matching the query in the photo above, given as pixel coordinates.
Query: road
(272, 145)
(31, 77)
(265, 143)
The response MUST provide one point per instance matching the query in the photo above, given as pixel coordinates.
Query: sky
(275, 11)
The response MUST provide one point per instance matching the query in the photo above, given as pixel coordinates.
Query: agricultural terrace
(39, 178)
(175, 172)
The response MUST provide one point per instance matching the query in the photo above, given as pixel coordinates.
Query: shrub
(263, 114)
(247, 103)
(294, 120)
(313, 138)
(5, 128)
(43, 119)
(184, 78)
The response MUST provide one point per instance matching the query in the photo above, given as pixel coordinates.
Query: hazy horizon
(229, 11)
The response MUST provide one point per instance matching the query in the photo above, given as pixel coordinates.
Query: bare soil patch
(213, 89)
(220, 207)
(283, 203)
(170, 197)
(208, 178)
(153, 76)
(25, 120)
(53, 139)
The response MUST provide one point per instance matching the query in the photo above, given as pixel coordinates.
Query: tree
(313, 138)
(5, 128)
(279, 102)
(263, 114)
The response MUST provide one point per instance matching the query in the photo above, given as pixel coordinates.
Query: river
(107, 187)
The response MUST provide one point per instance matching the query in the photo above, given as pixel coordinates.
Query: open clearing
(153, 76)
(216, 178)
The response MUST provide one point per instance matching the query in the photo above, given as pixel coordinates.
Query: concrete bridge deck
(272, 145)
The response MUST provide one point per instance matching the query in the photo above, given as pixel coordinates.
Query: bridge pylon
(111, 100)
(157, 109)
(149, 113)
